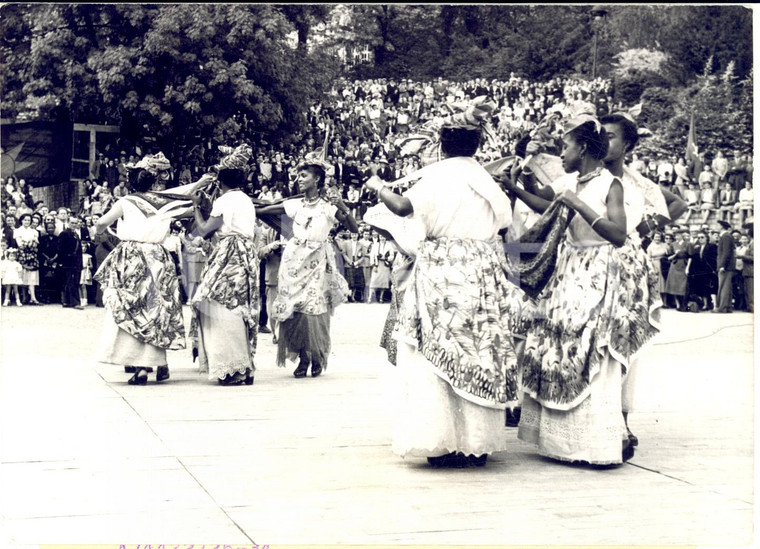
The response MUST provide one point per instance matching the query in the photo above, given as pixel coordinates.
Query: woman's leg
(33, 295)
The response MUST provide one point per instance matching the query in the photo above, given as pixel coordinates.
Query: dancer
(226, 301)
(139, 282)
(456, 364)
(309, 285)
(574, 359)
(649, 207)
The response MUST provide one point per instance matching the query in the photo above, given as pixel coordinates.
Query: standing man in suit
(747, 273)
(70, 261)
(353, 251)
(726, 267)
(702, 271)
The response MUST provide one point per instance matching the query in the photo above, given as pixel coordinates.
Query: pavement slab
(87, 459)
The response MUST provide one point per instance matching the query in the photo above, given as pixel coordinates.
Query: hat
(581, 119)
(724, 224)
(235, 159)
(153, 163)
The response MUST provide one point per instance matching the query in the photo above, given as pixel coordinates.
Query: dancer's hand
(374, 183)
(570, 199)
(533, 147)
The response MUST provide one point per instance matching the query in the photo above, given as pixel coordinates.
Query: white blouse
(237, 212)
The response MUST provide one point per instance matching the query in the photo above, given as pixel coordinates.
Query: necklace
(310, 201)
(589, 176)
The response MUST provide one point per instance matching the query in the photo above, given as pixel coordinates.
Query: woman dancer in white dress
(309, 285)
(226, 301)
(455, 358)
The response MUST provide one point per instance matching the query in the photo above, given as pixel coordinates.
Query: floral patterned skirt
(308, 281)
(141, 290)
(600, 301)
(230, 279)
(456, 311)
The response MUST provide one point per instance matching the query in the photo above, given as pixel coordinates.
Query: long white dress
(226, 301)
(590, 321)
(140, 290)
(456, 365)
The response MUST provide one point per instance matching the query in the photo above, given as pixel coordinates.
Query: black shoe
(448, 460)
(249, 376)
(301, 370)
(628, 451)
(162, 373)
(140, 377)
(230, 380)
(477, 461)
(513, 417)
(316, 369)
(133, 369)
(264, 330)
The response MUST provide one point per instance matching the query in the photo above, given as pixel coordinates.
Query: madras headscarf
(152, 163)
(235, 158)
(319, 156)
(579, 120)
(426, 142)
(631, 115)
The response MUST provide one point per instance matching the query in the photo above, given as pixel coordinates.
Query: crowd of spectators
(367, 121)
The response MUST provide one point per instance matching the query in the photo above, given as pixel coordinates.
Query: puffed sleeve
(292, 207)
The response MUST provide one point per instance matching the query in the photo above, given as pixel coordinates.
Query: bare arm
(109, 218)
(612, 228)
(399, 205)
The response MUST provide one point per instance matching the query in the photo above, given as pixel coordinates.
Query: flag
(692, 152)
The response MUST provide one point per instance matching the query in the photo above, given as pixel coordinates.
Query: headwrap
(581, 119)
(318, 157)
(152, 163)
(631, 115)
(426, 142)
(235, 159)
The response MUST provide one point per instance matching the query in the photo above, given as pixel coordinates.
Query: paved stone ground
(87, 459)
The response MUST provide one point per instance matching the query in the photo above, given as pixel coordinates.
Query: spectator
(726, 268)
(702, 273)
(70, 261)
(747, 255)
(9, 226)
(85, 277)
(11, 273)
(692, 201)
(746, 204)
(50, 288)
(720, 167)
(726, 202)
(707, 176)
(707, 201)
(27, 241)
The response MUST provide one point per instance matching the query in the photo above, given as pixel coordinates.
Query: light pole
(598, 13)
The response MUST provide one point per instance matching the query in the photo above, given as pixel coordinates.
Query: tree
(181, 74)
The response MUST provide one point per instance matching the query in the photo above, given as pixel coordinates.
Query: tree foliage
(183, 74)
(187, 74)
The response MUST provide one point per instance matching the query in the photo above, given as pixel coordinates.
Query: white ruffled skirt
(432, 420)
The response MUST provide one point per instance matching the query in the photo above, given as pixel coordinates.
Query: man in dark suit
(702, 271)
(726, 267)
(70, 261)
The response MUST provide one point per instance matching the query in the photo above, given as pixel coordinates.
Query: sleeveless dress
(309, 285)
(140, 290)
(582, 339)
